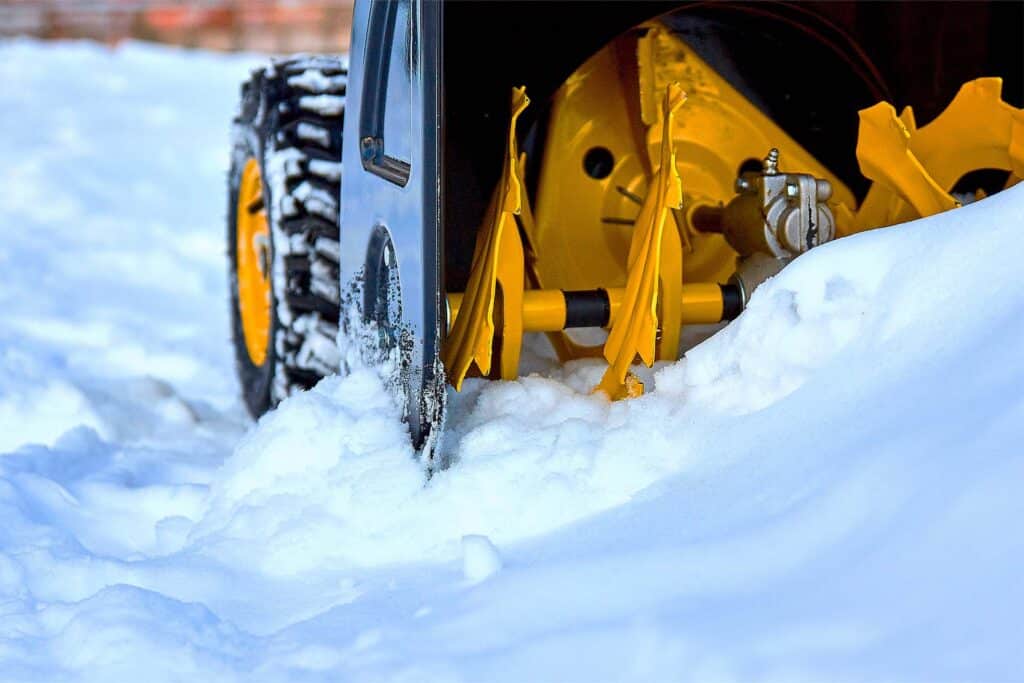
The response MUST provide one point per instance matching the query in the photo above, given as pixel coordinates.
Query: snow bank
(828, 489)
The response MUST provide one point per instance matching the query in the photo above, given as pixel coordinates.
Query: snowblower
(478, 171)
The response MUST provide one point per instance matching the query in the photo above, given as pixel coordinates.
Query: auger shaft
(551, 310)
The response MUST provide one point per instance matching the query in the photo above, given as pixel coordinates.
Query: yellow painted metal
(954, 143)
(655, 268)
(496, 280)
(701, 303)
(883, 150)
(582, 234)
(583, 224)
(565, 347)
(543, 309)
(627, 229)
(252, 253)
(914, 168)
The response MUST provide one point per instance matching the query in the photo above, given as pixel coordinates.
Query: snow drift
(827, 489)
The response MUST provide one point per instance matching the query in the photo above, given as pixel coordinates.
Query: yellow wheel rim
(252, 248)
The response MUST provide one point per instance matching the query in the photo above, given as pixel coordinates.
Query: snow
(325, 105)
(480, 559)
(829, 489)
(314, 80)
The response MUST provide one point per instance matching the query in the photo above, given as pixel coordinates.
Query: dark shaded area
(598, 162)
(989, 180)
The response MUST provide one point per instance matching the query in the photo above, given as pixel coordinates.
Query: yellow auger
(668, 165)
(770, 216)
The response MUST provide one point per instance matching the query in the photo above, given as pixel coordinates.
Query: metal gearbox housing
(779, 214)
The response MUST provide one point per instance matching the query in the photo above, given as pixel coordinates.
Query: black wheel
(283, 212)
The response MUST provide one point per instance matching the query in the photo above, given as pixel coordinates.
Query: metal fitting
(779, 214)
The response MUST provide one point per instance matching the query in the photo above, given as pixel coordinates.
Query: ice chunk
(480, 559)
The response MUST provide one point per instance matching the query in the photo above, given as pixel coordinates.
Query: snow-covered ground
(831, 489)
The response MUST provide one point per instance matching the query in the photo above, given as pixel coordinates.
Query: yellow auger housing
(662, 238)
(674, 156)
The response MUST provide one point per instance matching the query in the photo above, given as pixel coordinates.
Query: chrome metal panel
(388, 199)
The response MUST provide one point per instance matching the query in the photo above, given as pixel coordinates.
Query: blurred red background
(263, 25)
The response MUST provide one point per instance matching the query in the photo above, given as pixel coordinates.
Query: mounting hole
(598, 163)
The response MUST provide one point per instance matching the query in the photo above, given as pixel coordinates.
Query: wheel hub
(253, 258)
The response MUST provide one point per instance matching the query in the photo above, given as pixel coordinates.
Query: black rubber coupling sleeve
(587, 308)
(732, 302)
(592, 308)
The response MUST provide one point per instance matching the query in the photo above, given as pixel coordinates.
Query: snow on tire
(290, 120)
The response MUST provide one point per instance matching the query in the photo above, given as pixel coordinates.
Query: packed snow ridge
(828, 489)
